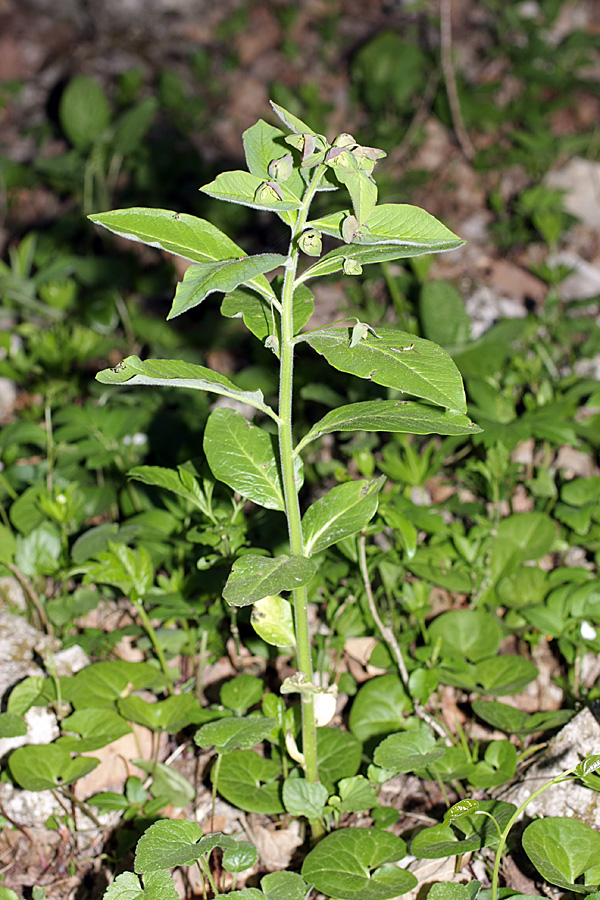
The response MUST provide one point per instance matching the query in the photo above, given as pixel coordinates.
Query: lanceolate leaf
(187, 236)
(394, 223)
(257, 312)
(254, 577)
(342, 512)
(203, 279)
(293, 123)
(244, 188)
(405, 416)
(394, 359)
(175, 373)
(365, 255)
(243, 456)
(262, 144)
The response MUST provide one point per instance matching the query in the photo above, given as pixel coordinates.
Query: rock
(579, 738)
(19, 644)
(485, 307)
(584, 280)
(8, 399)
(580, 178)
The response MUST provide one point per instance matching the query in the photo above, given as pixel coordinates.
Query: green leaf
(405, 416)
(379, 708)
(500, 715)
(520, 537)
(159, 886)
(257, 311)
(353, 864)
(255, 577)
(284, 886)
(497, 767)
(342, 512)
(42, 767)
(395, 223)
(301, 798)
(39, 552)
(170, 715)
(478, 831)
(175, 373)
(355, 795)
(26, 694)
(245, 189)
(249, 781)
(242, 692)
(340, 258)
(12, 725)
(167, 782)
(338, 756)
(394, 359)
(133, 125)
(471, 634)
(244, 894)
(450, 890)
(240, 857)
(408, 751)
(293, 122)
(84, 111)
(8, 545)
(440, 841)
(362, 188)
(262, 144)
(234, 733)
(443, 315)
(504, 675)
(186, 236)
(243, 456)
(127, 886)
(563, 850)
(273, 620)
(168, 843)
(102, 684)
(96, 727)
(202, 279)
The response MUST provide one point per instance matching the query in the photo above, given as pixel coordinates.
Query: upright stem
(290, 486)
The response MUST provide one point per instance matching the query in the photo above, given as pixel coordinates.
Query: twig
(418, 119)
(26, 835)
(388, 636)
(32, 597)
(450, 78)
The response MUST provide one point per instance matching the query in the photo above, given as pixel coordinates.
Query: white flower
(587, 631)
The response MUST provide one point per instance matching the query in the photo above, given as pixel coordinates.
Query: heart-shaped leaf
(353, 864)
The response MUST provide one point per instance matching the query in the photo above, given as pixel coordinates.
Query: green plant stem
(154, 641)
(390, 639)
(290, 488)
(503, 837)
(80, 805)
(215, 781)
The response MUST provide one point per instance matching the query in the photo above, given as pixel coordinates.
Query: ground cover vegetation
(331, 598)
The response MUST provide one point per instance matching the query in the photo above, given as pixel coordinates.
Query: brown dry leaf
(432, 871)
(512, 281)
(276, 848)
(360, 648)
(113, 770)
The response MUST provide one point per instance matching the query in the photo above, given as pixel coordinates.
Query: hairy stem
(291, 487)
